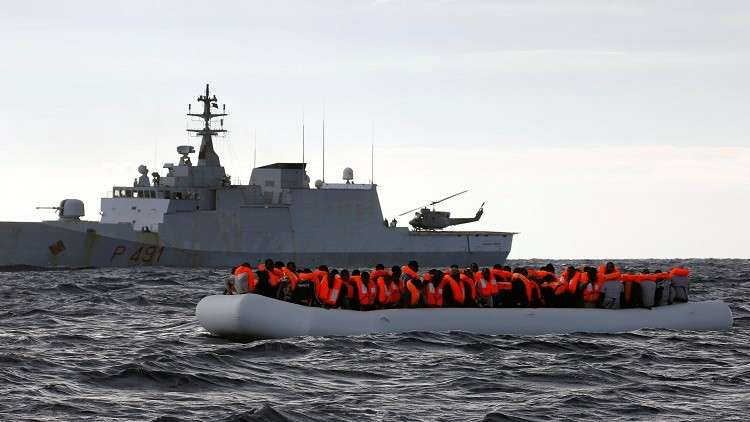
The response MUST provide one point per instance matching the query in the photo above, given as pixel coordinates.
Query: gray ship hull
(91, 244)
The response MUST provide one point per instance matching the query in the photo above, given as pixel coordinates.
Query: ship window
(129, 193)
(197, 196)
(177, 195)
(166, 194)
(116, 193)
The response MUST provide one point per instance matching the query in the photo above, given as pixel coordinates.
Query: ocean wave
(124, 344)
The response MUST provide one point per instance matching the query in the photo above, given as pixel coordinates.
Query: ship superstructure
(194, 216)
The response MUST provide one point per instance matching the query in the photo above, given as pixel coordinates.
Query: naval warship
(193, 216)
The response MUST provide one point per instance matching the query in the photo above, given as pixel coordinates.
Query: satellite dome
(142, 169)
(318, 184)
(348, 174)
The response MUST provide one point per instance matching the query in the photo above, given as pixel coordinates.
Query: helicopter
(429, 219)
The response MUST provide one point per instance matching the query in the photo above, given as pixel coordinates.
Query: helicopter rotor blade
(448, 197)
(433, 203)
(407, 212)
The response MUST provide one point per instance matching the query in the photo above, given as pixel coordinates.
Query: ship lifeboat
(254, 316)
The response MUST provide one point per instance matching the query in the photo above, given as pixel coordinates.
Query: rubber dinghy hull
(254, 316)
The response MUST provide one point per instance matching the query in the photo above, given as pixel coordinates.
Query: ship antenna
(372, 153)
(324, 150)
(255, 146)
(303, 138)
(207, 156)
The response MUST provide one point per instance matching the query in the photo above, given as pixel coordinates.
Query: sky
(595, 129)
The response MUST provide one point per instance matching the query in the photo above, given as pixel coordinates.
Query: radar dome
(348, 174)
(71, 208)
(185, 149)
(142, 169)
(318, 184)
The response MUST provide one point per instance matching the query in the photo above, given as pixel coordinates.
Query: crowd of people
(499, 286)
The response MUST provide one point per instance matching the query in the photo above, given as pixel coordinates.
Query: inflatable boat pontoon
(254, 316)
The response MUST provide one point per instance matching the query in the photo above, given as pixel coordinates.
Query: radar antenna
(433, 203)
(207, 156)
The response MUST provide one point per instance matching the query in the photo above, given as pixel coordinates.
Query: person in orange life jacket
(388, 290)
(590, 287)
(396, 292)
(470, 290)
(304, 292)
(331, 293)
(504, 294)
(366, 290)
(263, 286)
(229, 288)
(244, 279)
(352, 293)
(570, 281)
(526, 293)
(290, 280)
(284, 283)
(347, 291)
(432, 291)
(610, 286)
(411, 296)
(518, 292)
(548, 283)
(663, 294)
(322, 274)
(486, 287)
(348, 285)
(378, 272)
(453, 291)
(632, 296)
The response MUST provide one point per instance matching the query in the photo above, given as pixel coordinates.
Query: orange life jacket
(608, 277)
(455, 286)
(502, 280)
(433, 295)
(468, 282)
(372, 291)
(413, 293)
(376, 274)
(274, 277)
(362, 290)
(408, 273)
(679, 272)
(485, 288)
(661, 276)
(291, 276)
(533, 293)
(388, 293)
(539, 275)
(250, 288)
(395, 292)
(591, 289)
(572, 284)
(329, 292)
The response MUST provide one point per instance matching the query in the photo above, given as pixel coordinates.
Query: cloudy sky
(593, 128)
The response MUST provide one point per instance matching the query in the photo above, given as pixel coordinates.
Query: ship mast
(207, 156)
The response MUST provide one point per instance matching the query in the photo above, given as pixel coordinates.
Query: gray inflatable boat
(254, 316)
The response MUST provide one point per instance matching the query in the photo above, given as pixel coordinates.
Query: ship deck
(458, 233)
